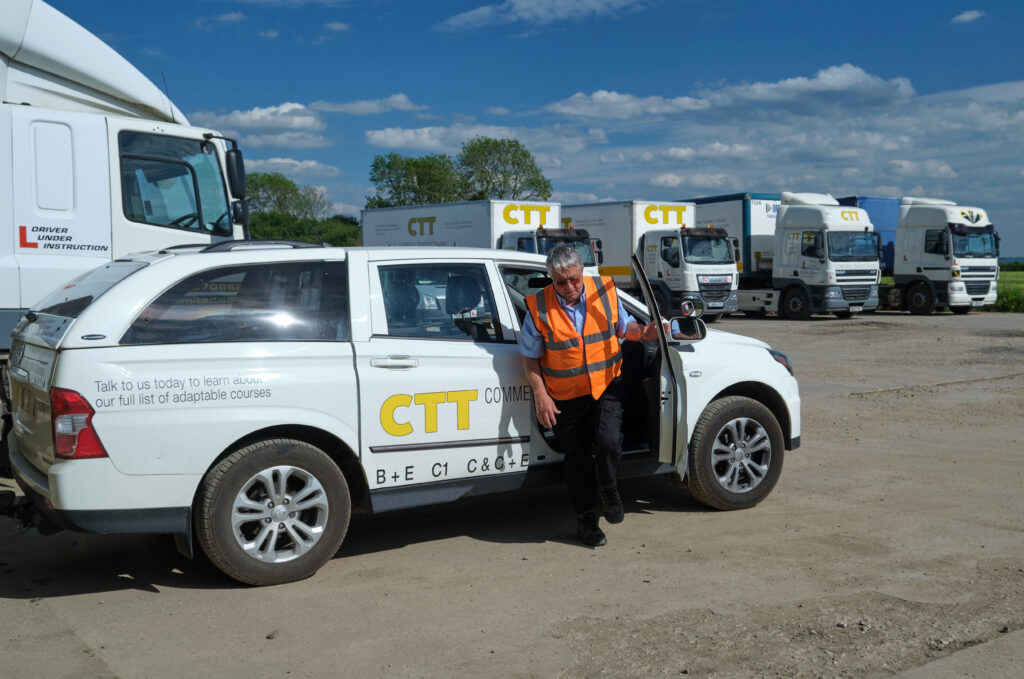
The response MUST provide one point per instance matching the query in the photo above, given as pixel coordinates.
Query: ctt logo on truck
(422, 226)
(850, 215)
(511, 210)
(665, 211)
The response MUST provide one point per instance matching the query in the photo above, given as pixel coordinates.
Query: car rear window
(286, 301)
(73, 297)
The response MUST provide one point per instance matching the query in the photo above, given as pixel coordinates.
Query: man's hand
(546, 409)
(643, 333)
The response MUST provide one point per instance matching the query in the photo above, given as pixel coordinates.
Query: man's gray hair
(562, 257)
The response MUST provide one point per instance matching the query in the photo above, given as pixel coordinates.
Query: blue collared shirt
(531, 344)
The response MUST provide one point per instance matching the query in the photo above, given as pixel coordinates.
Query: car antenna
(317, 234)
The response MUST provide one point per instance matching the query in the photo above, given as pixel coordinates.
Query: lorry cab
(946, 253)
(698, 264)
(826, 257)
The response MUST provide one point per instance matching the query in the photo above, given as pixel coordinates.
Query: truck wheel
(920, 300)
(961, 310)
(736, 454)
(795, 305)
(273, 512)
(661, 303)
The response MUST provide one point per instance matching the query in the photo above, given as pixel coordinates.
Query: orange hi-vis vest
(575, 366)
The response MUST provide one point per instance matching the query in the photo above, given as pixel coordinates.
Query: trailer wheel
(919, 299)
(736, 454)
(961, 310)
(273, 512)
(795, 305)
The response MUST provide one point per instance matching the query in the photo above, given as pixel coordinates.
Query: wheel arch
(765, 395)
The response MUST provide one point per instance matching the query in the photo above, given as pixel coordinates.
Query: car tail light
(73, 433)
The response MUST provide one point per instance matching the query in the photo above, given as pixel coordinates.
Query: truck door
(668, 388)
(442, 393)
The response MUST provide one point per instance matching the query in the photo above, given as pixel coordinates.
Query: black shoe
(611, 504)
(588, 532)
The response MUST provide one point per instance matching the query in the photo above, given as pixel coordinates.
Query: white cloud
(605, 104)
(292, 167)
(550, 141)
(537, 12)
(596, 135)
(287, 116)
(680, 153)
(231, 17)
(294, 140)
(396, 102)
(347, 210)
(669, 179)
(338, 26)
(968, 16)
(269, 34)
(498, 110)
(927, 168)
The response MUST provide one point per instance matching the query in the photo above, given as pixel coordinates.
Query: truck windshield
(173, 182)
(974, 245)
(851, 246)
(581, 245)
(707, 250)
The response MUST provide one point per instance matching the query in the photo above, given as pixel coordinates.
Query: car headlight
(783, 359)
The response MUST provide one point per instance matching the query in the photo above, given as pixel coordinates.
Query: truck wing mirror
(236, 173)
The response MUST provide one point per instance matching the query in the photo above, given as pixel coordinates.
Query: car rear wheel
(736, 454)
(273, 512)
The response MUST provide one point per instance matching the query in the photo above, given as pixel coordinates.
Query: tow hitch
(24, 513)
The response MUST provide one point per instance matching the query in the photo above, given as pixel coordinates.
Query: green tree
(273, 192)
(408, 180)
(501, 169)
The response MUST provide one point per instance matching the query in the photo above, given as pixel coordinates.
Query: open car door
(668, 435)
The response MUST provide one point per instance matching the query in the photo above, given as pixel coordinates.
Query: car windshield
(707, 250)
(851, 246)
(581, 245)
(974, 245)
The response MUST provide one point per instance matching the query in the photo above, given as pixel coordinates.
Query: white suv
(251, 395)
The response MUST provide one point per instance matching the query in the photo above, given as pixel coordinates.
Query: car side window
(439, 301)
(287, 301)
(521, 283)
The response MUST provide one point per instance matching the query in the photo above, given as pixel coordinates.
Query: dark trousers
(590, 433)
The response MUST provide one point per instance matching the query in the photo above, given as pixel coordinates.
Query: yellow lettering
(429, 402)
(419, 223)
(850, 215)
(507, 214)
(543, 210)
(412, 221)
(387, 415)
(648, 212)
(566, 222)
(462, 398)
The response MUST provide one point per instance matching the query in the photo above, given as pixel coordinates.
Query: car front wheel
(273, 512)
(736, 454)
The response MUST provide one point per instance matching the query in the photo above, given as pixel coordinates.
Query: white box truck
(682, 262)
(95, 163)
(939, 254)
(800, 253)
(524, 226)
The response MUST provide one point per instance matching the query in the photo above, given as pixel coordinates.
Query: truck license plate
(856, 309)
(716, 305)
(977, 304)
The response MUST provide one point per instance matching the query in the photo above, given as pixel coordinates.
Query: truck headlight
(957, 286)
(874, 291)
(834, 292)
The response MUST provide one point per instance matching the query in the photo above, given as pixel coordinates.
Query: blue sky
(617, 99)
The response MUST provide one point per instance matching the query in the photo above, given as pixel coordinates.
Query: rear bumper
(101, 519)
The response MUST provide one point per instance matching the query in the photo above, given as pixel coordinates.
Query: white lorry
(523, 226)
(800, 253)
(95, 162)
(939, 254)
(682, 262)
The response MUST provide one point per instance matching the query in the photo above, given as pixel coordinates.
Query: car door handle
(395, 362)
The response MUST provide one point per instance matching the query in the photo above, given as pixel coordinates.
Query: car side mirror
(687, 328)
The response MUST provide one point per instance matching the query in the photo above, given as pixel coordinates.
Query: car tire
(796, 306)
(273, 512)
(725, 475)
(920, 300)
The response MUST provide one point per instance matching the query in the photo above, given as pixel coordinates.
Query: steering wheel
(186, 220)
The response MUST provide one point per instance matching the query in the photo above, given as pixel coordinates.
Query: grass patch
(1010, 291)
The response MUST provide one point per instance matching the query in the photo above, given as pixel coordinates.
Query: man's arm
(545, 405)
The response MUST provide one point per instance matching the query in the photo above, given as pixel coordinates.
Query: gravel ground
(892, 545)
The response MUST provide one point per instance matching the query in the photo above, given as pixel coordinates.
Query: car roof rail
(257, 243)
(182, 246)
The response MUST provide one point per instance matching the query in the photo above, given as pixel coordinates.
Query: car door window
(522, 282)
(251, 303)
(439, 301)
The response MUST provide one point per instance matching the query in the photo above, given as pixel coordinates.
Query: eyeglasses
(574, 281)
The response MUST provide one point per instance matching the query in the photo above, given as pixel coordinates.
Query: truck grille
(856, 294)
(715, 292)
(977, 288)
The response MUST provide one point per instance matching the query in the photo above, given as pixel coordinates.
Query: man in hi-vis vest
(571, 355)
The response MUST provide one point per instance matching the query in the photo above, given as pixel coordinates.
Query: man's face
(568, 283)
